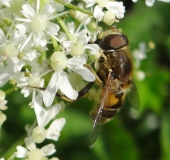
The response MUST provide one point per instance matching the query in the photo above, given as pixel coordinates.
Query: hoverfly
(115, 73)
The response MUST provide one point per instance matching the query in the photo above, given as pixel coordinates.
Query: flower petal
(76, 65)
(29, 143)
(50, 113)
(4, 77)
(59, 7)
(149, 3)
(52, 28)
(48, 150)
(23, 28)
(39, 39)
(48, 10)
(85, 73)
(98, 13)
(26, 92)
(17, 38)
(75, 62)
(6, 3)
(94, 48)
(44, 116)
(21, 152)
(89, 3)
(28, 11)
(39, 110)
(3, 39)
(117, 8)
(66, 88)
(18, 64)
(53, 132)
(51, 90)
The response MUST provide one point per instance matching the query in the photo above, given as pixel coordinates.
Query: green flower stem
(42, 57)
(64, 28)
(55, 44)
(9, 153)
(9, 90)
(76, 8)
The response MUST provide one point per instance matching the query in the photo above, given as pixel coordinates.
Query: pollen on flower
(38, 23)
(77, 49)
(38, 134)
(58, 61)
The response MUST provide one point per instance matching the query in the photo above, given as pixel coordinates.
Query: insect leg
(81, 93)
(94, 73)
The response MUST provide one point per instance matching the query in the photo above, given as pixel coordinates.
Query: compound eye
(113, 42)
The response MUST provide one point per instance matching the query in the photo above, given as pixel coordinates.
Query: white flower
(12, 10)
(2, 118)
(116, 9)
(81, 17)
(59, 79)
(3, 102)
(33, 152)
(79, 42)
(149, 3)
(11, 59)
(139, 54)
(38, 134)
(9, 47)
(5, 2)
(140, 75)
(43, 118)
(53, 132)
(37, 24)
(3, 39)
(28, 84)
(98, 13)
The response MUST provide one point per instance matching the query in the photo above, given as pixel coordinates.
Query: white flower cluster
(139, 55)
(109, 11)
(28, 28)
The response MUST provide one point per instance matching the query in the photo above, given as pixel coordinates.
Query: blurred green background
(131, 135)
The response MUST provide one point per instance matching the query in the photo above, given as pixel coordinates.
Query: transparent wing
(94, 134)
(133, 96)
(104, 102)
(96, 125)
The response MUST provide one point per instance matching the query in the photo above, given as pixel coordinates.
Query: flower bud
(58, 61)
(38, 134)
(77, 49)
